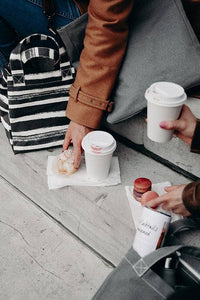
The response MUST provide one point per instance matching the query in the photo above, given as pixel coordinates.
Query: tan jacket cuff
(85, 109)
(83, 114)
(191, 198)
(195, 145)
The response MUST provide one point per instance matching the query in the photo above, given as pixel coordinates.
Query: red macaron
(141, 186)
(148, 196)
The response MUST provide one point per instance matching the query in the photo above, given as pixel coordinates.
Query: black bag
(34, 90)
(149, 278)
(184, 232)
(155, 276)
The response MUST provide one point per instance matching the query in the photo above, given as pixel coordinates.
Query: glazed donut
(65, 163)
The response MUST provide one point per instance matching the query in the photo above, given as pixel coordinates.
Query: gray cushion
(161, 47)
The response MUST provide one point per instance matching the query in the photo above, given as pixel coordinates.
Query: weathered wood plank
(100, 217)
(38, 258)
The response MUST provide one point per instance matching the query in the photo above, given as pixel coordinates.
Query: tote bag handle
(44, 52)
(142, 265)
(16, 62)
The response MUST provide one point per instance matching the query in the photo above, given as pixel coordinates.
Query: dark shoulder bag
(157, 275)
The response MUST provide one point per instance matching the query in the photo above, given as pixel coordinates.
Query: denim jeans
(20, 18)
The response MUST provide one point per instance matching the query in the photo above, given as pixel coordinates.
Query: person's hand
(172, 200)
(75, 133)
(184, 127)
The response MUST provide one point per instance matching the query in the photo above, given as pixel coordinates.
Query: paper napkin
(57, 180)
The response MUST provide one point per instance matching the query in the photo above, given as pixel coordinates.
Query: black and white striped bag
(34, 90)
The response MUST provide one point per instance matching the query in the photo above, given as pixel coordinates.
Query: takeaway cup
(99, 147)
(164, 103)
(151, 231)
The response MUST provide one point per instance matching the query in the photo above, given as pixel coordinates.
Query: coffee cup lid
(166, 94)
(98, 142)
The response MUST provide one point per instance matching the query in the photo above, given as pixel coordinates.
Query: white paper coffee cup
(151, 231)
(164, 103)
(99, 147)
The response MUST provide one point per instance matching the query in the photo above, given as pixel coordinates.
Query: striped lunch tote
(34, 90)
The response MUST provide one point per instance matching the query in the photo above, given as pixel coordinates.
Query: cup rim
(103, 153)
(161, 104)
(157, 211)
(100, 150)
(161, 99)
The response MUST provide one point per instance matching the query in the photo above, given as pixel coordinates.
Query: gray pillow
(162, 46)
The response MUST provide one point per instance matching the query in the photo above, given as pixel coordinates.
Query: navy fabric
(21, 18)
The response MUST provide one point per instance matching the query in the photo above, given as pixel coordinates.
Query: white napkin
(136, 207)
(57, 180)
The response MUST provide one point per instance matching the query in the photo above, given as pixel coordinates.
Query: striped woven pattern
(33, 104)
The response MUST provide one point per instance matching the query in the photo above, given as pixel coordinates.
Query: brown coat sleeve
(104, 47)
(191, 198)
(195, 145)
(191, 193)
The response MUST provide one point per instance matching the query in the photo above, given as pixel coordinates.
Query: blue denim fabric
(21, 18)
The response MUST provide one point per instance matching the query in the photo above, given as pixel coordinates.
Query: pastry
(66, 163)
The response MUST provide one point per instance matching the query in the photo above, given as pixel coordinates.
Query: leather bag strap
(183, 225)
(49, 10)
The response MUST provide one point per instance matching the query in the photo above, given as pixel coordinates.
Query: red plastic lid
(142, 184)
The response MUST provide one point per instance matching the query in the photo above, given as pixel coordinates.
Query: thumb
(67, 141)
(178, 125)
(184, 138)
(77, 156)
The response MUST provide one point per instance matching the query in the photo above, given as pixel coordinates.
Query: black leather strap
(49, 10)
(184, 224)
